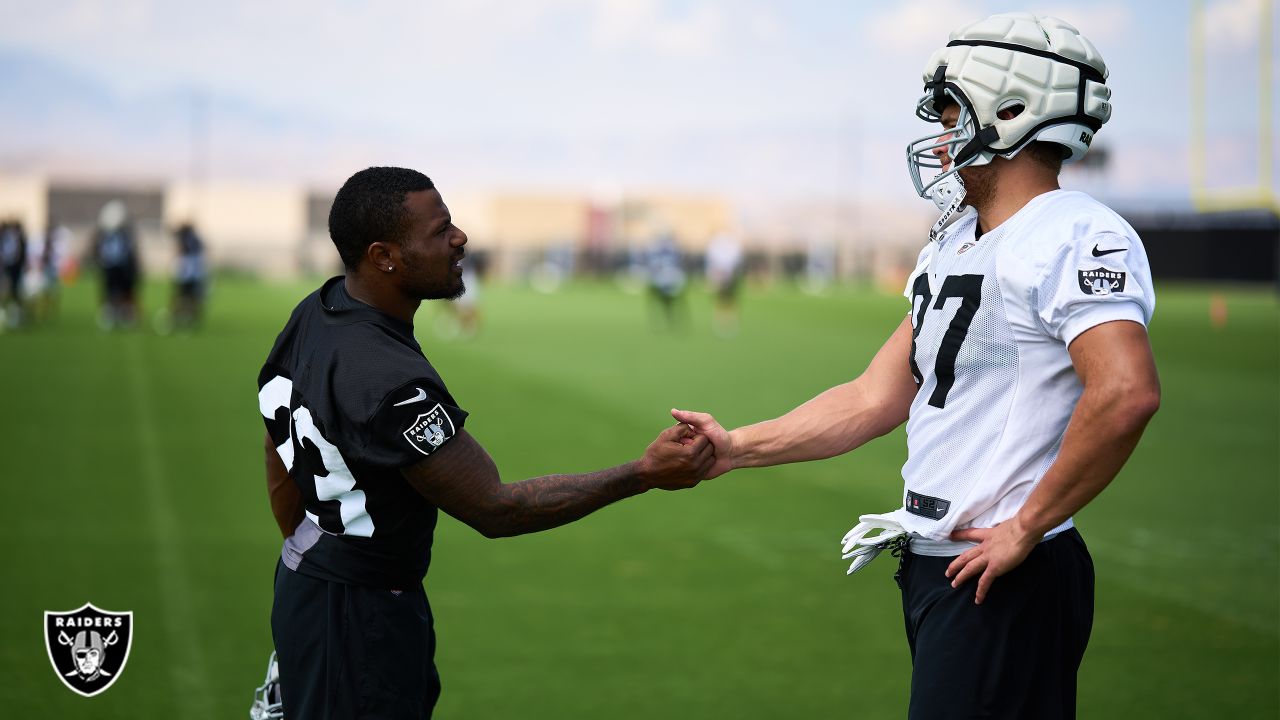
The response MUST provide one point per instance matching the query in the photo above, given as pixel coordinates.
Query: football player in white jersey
(1022, 370)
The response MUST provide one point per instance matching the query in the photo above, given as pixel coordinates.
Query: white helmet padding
(1042, 65)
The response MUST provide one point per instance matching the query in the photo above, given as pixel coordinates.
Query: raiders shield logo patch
(430, 430)
(1100, 281)
(88, 647)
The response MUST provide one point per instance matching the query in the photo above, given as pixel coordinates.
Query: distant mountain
(59, 120)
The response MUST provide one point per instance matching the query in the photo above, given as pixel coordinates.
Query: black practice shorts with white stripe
(349, 652)
(1014, 656)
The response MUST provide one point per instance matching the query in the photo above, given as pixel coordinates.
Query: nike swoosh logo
(1100, 253)
(422, 395)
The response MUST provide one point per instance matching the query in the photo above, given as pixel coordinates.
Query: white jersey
(724, 257)
(992, 317)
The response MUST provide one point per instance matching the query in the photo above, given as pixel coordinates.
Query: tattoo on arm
(545, 502)
(461, 479)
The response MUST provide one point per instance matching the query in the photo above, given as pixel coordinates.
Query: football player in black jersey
(365, 442)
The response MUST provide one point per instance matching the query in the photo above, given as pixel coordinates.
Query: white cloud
(1231, 23)
(646, 25)
(1106, 26)
(763, 24)
(916, 28)
(700, 34)
(618, 22)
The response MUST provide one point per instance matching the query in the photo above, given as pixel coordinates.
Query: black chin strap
(980, 142)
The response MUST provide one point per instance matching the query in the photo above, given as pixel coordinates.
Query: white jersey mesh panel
(993, 318)
(951, 431)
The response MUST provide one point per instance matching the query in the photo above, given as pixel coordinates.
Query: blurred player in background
(460, 317)
(665, 265)
(724, 279)
(190, 281)
(116, 252)
(364, 443)
(1022, 370)
(58, 266)
(13, 261)
(42, 282)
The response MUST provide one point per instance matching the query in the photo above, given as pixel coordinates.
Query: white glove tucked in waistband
(863, 547)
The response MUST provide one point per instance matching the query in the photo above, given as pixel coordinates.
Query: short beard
(462, 289)
(449, 292)
(979, 185)
(452, 292)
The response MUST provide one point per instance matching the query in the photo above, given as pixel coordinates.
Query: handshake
(697, 448)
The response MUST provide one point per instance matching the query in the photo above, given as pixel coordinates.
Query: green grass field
(132, 468)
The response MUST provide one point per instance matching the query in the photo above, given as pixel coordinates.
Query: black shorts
(727, 291)
(348, 652)
(119, 284)
(192, 289)
(1014, 656)
(13, 284)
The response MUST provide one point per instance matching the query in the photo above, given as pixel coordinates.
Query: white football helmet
(267, 703)
(112, 216)
(1041, 69)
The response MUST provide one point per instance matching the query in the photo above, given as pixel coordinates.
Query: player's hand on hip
(706, 426)
(1000, 549)
(678, 458)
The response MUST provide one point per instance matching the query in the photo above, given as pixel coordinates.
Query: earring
(390, 268)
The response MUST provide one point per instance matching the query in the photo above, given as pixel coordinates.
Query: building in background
(280, 230)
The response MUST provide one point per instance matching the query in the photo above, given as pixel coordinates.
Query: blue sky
(743, 97)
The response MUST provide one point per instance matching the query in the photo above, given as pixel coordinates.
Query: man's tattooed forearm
(547, 502)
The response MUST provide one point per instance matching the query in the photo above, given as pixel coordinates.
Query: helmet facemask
(922, 153)
(946, 188)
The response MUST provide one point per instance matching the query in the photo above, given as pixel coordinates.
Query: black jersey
(348, 399)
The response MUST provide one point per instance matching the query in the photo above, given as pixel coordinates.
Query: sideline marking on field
(189, 676)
